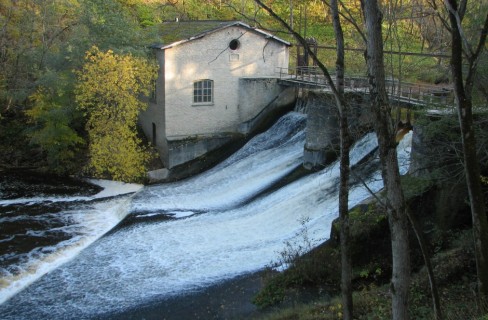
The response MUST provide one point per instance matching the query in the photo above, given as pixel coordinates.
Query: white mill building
(217, 80)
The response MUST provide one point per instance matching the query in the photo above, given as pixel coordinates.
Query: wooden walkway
(408, 94)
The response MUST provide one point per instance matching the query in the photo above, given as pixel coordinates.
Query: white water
(85, 223)
(264, 160)
(234, 233)
(110, 189)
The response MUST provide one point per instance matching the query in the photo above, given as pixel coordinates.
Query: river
(129, 245)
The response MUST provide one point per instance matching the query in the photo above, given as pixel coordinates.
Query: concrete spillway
(188, 235)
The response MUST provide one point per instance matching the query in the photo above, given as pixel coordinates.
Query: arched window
(203, 91)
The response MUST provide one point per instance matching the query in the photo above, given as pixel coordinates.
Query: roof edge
(230, 24)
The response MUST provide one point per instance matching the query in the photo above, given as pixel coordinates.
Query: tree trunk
(338, 92)
(396, 208)
(471, 166)
(346, 260)
(430, 271)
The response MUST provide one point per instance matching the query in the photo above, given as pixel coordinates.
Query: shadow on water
(35, 227)
(26, 184)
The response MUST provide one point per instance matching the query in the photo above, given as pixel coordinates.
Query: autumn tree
(108, 91)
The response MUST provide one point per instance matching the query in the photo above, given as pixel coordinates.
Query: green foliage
(316, 310)
(372, 303)
(419, 303)
(108, 92)
(33, 38)
(53, 116)
(480, 93)
(370, 272)
(443, 158)
(110, 25)
(296, 273)
(14, 142)
(363, 219)
(272, 294)
(414, 186)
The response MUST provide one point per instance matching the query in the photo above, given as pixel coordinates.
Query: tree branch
(351, 20)
(450, 5)
(473, 61)
(304, 43)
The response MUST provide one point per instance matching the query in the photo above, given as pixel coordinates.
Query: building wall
(260, 97)
(211, 58)
(153, 119)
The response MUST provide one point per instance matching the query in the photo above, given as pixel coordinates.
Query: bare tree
(396, 207)
(346, 260)
(342, 107)
(463, 86)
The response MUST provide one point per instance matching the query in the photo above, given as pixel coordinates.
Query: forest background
(72, 73)
(52, 54)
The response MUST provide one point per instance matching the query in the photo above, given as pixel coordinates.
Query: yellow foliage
(108, 91)
(484, 180)
(118, 155)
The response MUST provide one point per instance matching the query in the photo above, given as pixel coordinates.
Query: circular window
(234, 44)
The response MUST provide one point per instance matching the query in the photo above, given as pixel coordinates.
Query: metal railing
(404, 92)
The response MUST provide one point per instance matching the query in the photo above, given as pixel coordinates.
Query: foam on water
(143, 262)
(82, 224)
(267, 158)
(110, 189)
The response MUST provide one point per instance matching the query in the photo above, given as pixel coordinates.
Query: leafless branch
(224, 50)
(457, 15)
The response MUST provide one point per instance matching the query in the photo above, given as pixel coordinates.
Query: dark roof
(178, 32)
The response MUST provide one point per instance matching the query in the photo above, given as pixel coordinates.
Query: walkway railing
(413, 94)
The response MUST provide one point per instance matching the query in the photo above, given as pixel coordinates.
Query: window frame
(203, 92)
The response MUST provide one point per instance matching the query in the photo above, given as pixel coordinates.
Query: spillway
(187, 235)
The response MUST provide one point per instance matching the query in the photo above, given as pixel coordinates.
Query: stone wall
(322, 131)
(322, 135)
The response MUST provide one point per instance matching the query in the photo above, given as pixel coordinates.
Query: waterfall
(223, 223)
(41, 233)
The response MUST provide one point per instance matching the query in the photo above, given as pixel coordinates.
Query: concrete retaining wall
(322, 131)
(322, 135)
(185, 150)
